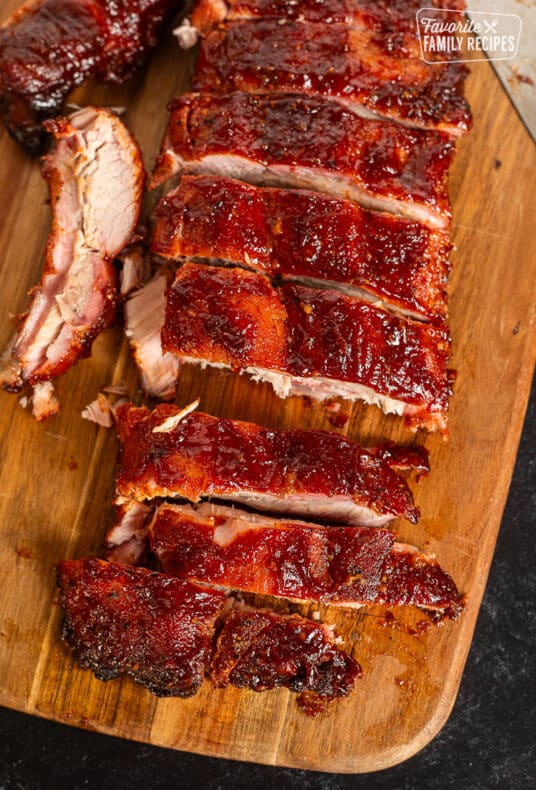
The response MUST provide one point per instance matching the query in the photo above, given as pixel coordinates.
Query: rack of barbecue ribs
(305, 244)
(169, 634)
(96, 176)
(50, 47)
(314, 150)
(303, 236)
(316, 474)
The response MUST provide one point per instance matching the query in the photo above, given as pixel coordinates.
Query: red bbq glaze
(379, 73)
(384, 160)
(344, 338)
(207, 456)
(245, 320)
(412, 578)
(123, 620)
(413, 457)
(302, 234)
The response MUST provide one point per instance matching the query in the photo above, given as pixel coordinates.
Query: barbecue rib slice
(314, 239)
(49, 47)
(144, 318)
(312, 143)
(315, 474)
(345, 566)
(260, 650)
(96, 180)
(164, 633)
(305, 341)
(123, 620)
(378, 15)
(375, 76)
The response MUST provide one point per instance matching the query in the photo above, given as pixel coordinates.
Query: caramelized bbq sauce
(385, 73)
(304, 332)
(207, 456)
(411, 579)
(262, 651)
(341, 337)
(297, 233)
(127, 620)
(333, 564)
(380, 15)
(382, 158)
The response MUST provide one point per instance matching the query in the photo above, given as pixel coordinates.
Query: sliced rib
(311, 143)
(374, 75)
(49, 47)
(144, 318)
(315, 474)
(123, 620)
(345, 566)
(379, 15)
(127, 540)
(301, 235)
(260, 650)
(305, 341)
(96, 179)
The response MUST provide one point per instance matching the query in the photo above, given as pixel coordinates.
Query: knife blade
(518, 73)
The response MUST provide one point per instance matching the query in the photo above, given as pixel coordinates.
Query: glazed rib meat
(123, 620)
(311, 143)
(301, 235)
(373, 75)
(345, 566)
(164, 633)
(96, 179)
(316, 474)
(49, 47)
(379, 15)
(261, 650)
(305, 341)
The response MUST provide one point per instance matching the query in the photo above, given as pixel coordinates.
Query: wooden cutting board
(56, 479)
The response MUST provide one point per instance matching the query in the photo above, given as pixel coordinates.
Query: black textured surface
(488, 742)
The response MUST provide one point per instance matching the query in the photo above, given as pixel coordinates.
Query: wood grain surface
(56, 478)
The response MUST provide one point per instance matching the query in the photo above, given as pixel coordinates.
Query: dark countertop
(487, 743)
